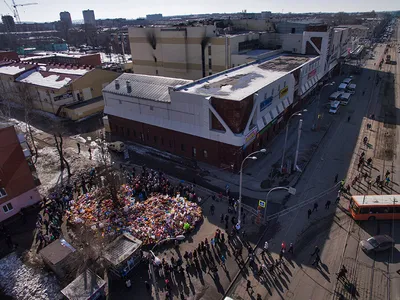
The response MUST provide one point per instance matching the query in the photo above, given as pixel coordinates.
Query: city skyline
(104, 10)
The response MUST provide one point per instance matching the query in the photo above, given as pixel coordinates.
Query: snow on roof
(55, 81)
(242, 81)
(377, 199)
(145, 86)
(64, 70)
(12, 69)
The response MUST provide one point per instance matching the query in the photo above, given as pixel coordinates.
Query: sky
(48, 10)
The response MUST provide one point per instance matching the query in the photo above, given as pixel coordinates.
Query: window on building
(151, 107)
(205, 153)
(272, 92)
(142, 137)
(293, 30)
(156, 72)
(271, 115)
(193, 151)
(209, 50)
(209, 73)
(183, 147)
(284, 84)
(2, 192)
(279, 87)
(210, 63)
(8, 207)
(155, 140)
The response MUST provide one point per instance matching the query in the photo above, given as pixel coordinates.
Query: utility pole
(298, 144)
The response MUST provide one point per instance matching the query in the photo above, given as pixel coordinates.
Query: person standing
(336, 178)
(309, 213)
(348, 119)
(79, 148)
(315, 206)
(327, 204)
(290, 248)
(249, 287)
(316, 260)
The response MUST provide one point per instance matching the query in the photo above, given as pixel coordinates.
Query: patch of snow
(69, 71)
(89, 138)
(23, 282)
(93, 144)
(51, 81)
(11, 70)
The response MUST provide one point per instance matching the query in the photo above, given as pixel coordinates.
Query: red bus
(375, 207)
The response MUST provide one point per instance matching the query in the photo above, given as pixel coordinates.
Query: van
(342, 87)
(351, 88)
(347, 80)
(345, 98)
(334, 107)
(335, 96)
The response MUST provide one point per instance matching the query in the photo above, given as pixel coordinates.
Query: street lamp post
(318, 99)
(298, 113)
(291, 191)
(151, 267)
(250, 156)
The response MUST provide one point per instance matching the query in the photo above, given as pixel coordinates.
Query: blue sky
(48, 10)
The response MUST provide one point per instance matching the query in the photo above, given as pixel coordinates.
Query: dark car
(377, 243)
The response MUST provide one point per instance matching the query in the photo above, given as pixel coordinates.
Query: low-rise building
(218, 119)
(18, 178)
(54, 88)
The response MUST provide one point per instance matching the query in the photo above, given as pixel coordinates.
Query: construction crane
(15, 9)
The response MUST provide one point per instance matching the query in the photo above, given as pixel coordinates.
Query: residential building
(8, 22)
(18, 178)
(65, 18)
(55, 88)
(356, 31)
(154, 17)
(218, 119)
(88, 17)
(187, 52)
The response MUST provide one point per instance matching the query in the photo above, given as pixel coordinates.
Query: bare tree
(63, 162)
(27, 96)
(111, 178)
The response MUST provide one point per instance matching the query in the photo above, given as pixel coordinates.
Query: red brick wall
(93, 60)
(218, 154)
(8, 55)
(15, 175)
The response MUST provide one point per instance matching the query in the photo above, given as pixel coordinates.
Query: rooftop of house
(57, 251)
(242, 81)
(145, 86)
(14, 68)
(84, 286)
(46, 78)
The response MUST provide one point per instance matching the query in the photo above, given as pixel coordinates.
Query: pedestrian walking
(212, 209)
(90, 153)
(348, 118)
(316, 251)
(223, 259)
(336, 178)
(148, 287)
(327, 204)
(316, 260)
(79, 148)
(315, 206)
(290, 248)
(265, 249)
(281, 255)
(259, 297)
(342, 273)
(309, 213)
(249, 287)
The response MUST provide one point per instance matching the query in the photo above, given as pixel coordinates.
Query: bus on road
(375, 207)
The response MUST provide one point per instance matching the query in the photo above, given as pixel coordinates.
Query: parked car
(116, 146)
(377, 243)
(333, 109)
